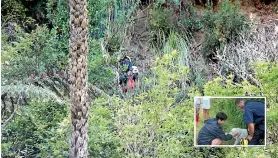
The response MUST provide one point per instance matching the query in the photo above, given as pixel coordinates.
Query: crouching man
(254, 118)
(212, 133)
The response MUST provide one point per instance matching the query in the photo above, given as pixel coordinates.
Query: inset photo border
(229, 121)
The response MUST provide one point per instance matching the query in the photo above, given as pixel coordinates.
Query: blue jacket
(254, 112)
(210, 131)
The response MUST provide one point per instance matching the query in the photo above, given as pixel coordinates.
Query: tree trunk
(78, 47)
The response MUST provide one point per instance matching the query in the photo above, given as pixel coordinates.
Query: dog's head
(234, 130)
(240, 131)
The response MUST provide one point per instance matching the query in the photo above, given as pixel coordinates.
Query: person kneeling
(212, 133)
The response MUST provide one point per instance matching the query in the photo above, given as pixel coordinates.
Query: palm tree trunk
(78, 77)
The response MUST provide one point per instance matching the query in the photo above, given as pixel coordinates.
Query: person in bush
(212, 133)
(254, 118)
(126, 69)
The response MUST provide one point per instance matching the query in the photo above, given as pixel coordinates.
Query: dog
(242, 133)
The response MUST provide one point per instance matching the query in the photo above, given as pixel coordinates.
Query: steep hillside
(137, 41)
(182, 50)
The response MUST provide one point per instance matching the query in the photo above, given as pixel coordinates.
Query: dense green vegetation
(154, 120)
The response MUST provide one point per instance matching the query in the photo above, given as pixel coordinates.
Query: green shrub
(266, 73)
(103, 138)
(31, 128)
(161, 19)
(222, 26)
(193, 22)
(37, 52)
(148, 124)
(58, 15)
(100, 70)
(14, 10)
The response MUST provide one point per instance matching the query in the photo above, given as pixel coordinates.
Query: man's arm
(225, 137)
(219, 133)
(250, 130)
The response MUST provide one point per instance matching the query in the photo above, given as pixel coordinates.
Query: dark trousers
(134, 76)
(259, 134)
(125, 77)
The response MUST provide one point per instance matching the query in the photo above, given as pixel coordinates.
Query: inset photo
(229, 121)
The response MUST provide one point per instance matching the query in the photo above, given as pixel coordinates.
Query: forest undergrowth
(180, 51)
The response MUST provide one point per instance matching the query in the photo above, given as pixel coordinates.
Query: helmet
(127, 57)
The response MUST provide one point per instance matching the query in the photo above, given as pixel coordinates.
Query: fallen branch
(9, 119)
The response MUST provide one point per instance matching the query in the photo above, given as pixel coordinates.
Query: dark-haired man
(254, 118)
(212, 133)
